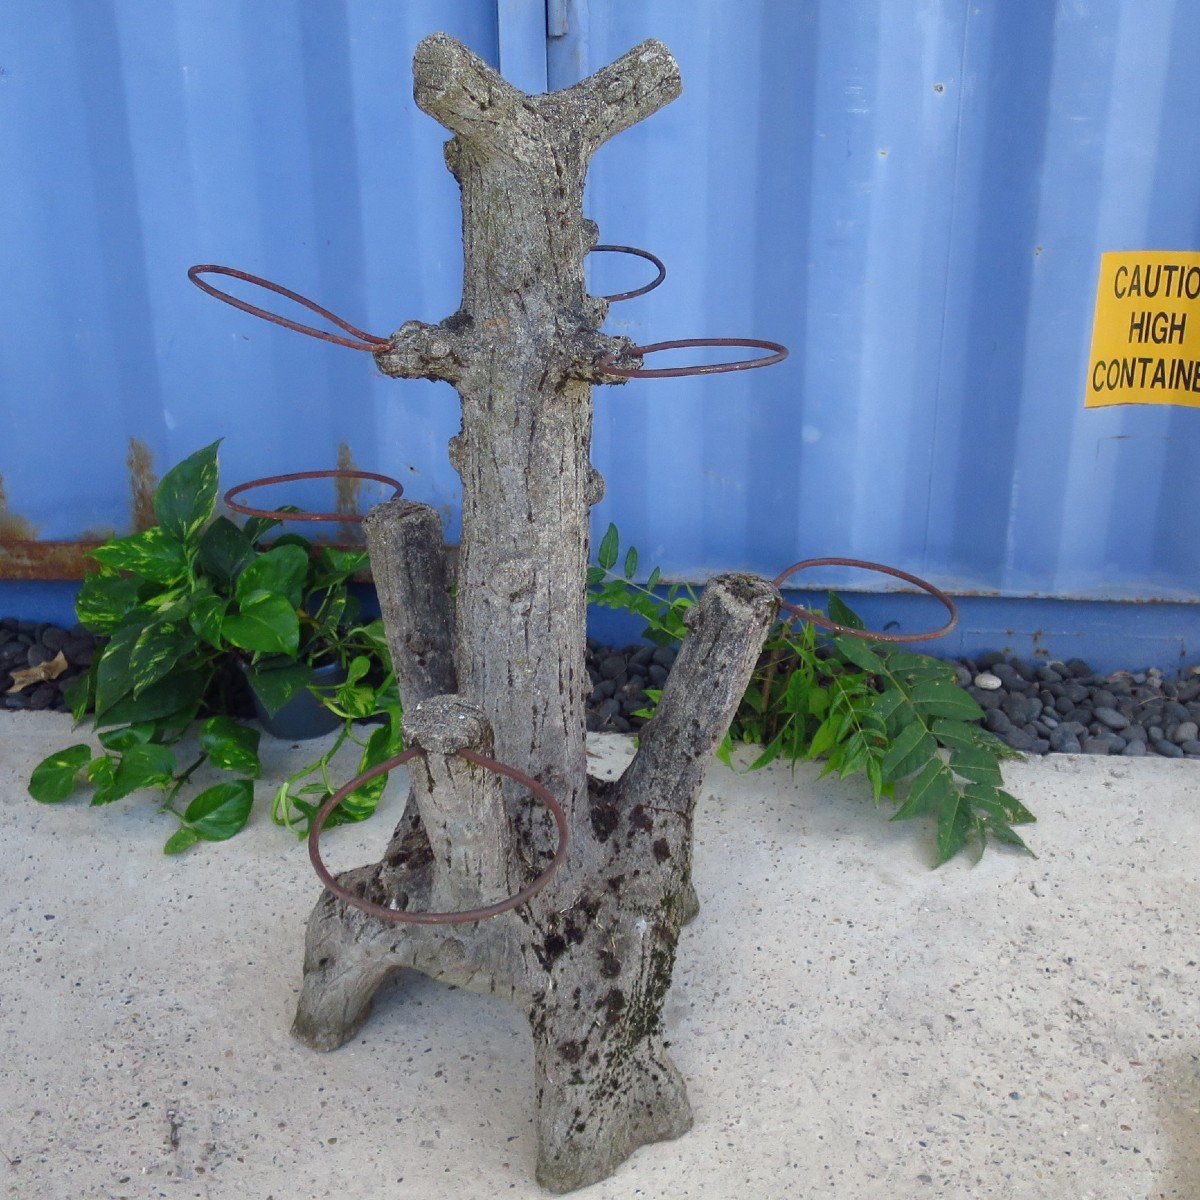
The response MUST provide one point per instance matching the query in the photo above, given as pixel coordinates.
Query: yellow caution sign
(1146, 336)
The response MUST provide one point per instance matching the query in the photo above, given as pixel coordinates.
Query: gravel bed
(44, 658)
(620, 678)
(1036, 707)
(1068, 707)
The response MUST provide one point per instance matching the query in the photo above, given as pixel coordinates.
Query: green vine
(868, 708)
(196, 610)
(196, 606)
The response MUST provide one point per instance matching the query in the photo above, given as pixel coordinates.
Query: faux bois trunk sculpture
(496, 675)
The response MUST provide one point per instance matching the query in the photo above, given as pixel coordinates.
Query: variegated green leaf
(281, 571)
(105, 600)
(153, 554)
(206, 615)
(114, 679)
(159, 646)
(219, 812)
(231, 746)
(264, 622)
(54, 778)
(142, 766)
(187, 494)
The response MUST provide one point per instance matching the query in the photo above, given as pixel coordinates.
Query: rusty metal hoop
(606, 361)
(649, 287)
(368, 341)
(821, 622)
(277, 514)
(463, 916)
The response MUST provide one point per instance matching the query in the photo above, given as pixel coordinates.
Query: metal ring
(369, 340)
(463, 916)
(279, 515)
(824, 623)
(605, 361)
(658, 262)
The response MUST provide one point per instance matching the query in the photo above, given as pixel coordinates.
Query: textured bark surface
(589, 959)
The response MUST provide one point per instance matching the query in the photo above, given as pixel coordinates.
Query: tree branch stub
(461, 805)
(726, 631)
(619, 95)
(408, 561)
(420, 351)
(460, 91)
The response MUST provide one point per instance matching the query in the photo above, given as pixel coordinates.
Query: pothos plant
(196, 610)
(873, 708)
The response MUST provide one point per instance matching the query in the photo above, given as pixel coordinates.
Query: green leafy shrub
(873, 708)
(196, 610)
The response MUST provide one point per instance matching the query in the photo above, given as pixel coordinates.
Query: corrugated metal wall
(141, 136)
(913, 194)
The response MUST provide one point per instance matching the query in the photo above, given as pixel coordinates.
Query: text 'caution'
(1146, 335)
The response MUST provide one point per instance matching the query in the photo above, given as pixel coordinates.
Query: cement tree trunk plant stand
(499, 670)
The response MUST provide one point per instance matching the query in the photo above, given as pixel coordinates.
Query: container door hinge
(558, 23)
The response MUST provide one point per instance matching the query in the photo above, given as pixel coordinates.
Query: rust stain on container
(25, 559)
(348, 492)
(142, 484)
(348, 489)
(22, 556)
(13, 527)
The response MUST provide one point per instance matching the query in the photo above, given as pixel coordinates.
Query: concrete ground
(852, 1025)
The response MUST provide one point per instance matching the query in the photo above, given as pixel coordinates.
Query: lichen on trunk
(589, 959)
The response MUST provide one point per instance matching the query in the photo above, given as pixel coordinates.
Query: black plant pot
(304, 716)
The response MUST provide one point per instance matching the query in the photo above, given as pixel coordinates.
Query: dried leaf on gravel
(39, 674)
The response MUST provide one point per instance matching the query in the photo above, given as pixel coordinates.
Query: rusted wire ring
(658, 262)
(824, 623)
(606, 361)
(279, 515)
(368, 340)
(463, 916)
